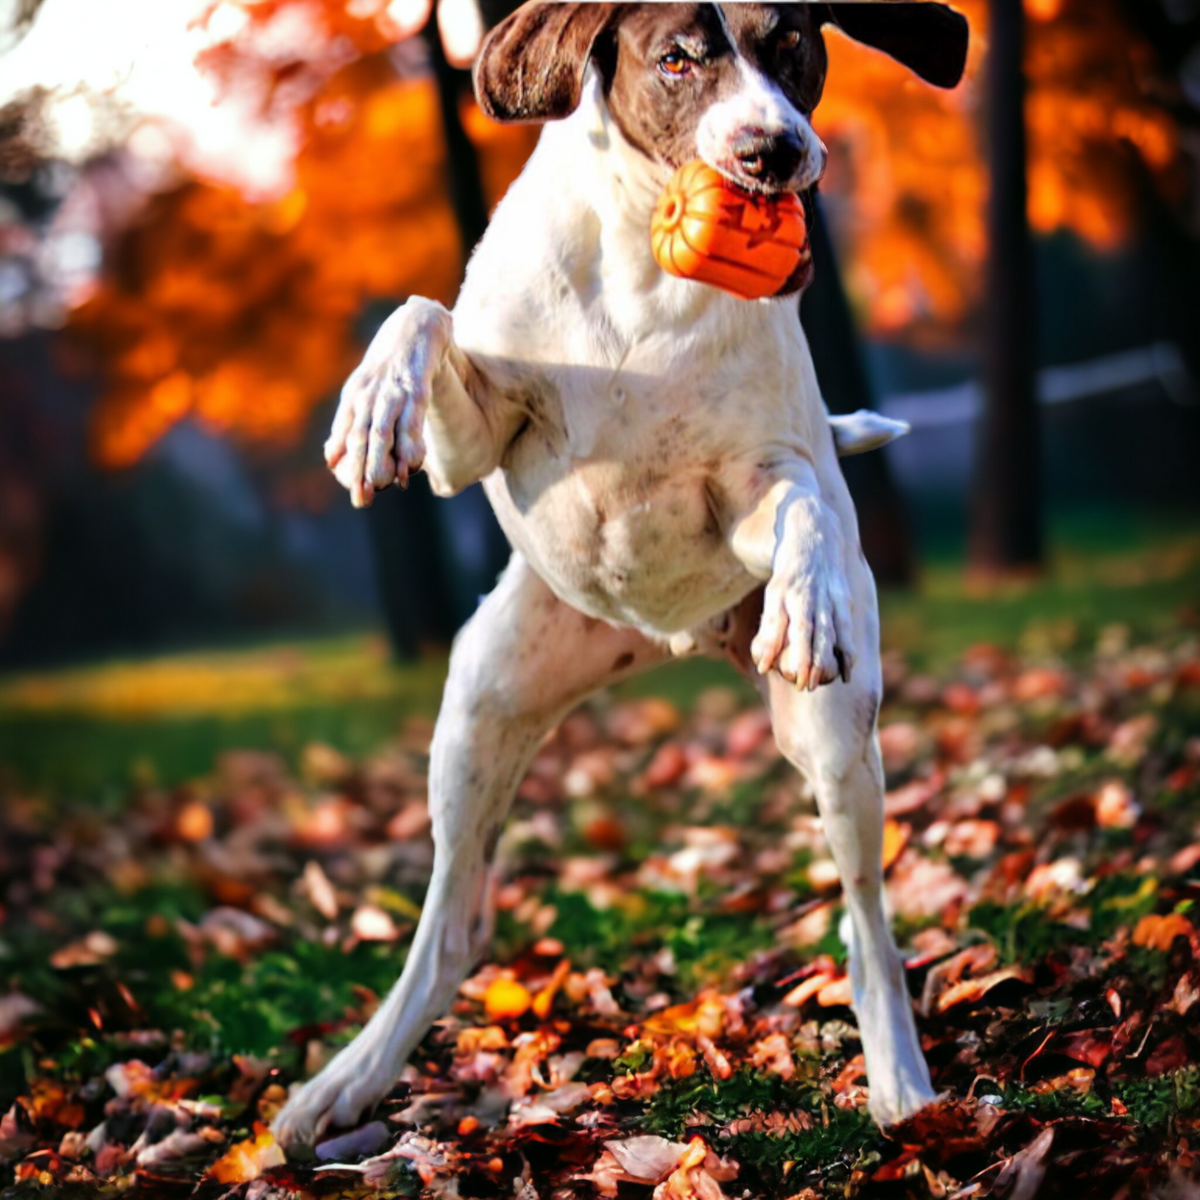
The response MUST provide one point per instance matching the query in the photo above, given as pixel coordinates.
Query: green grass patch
(89, 729)
(1027, 932)
(1153, 1103)
(1105, 567)
(835, 1136)
(704, 942)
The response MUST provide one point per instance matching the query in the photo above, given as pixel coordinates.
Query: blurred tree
(1172, 29)
(1006, 530)
(905, 168)
(414, 536)
(241, 311)
(466, 178)
(837, 355)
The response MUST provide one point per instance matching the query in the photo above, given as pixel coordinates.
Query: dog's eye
(674, 63)
(789, 39)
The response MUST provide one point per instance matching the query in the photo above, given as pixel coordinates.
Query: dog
(657, 453)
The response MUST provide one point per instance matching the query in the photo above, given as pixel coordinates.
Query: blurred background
(218, 681)
(208, 206)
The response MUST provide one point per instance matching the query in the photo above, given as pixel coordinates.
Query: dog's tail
(856, 433)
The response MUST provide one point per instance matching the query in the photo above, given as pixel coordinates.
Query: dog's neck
(623, 184)
(620, 185)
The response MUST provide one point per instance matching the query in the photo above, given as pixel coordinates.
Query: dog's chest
(614, 488)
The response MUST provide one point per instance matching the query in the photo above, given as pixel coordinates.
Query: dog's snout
(769, 159)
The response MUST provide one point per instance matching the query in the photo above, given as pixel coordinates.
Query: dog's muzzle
(769, 162)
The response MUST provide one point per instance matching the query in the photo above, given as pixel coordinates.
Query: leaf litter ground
(665, 1010)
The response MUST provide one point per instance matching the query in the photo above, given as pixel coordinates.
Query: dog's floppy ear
(930, 39)
(532, 64)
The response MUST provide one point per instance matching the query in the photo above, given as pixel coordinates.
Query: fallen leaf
(370, 923)
(895, 838)
(87, 952)
(1159, 933)
(975, 989)
(506, 999)
(804, 991)
(249, 1159)
(544, 1000)
(320, 891)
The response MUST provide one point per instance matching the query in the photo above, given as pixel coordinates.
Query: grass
(91, 730)
(1105, 569)
(680, 1104)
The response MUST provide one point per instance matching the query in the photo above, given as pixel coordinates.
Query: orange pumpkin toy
(704, 228)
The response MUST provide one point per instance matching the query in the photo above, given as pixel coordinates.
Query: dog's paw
(377, 437)
(894, 1101)
(806, 632)
(336, 1098)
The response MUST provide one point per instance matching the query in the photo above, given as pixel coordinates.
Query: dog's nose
(770, 158)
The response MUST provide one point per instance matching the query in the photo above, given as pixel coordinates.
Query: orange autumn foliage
(908, 175)
(241, 314)
(543, 1002)
(506, 999)
(51, 1101)
(895, 839)
(1159, 933)
(907, 166)
(816, 985)
(249, 1159)
(280, 49)
(1090, 114)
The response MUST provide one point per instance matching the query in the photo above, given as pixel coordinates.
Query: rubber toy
(707, 229)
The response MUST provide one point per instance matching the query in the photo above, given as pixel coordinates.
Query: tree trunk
(465, 182)
(435, 558)
(1006, 531)
(837, 357)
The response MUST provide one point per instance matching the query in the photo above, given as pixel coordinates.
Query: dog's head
(734, 84)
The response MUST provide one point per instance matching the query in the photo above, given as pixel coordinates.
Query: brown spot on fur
(713, 508)
(521, 430)
(491, 842)
(866, 709)
(660, 116)
(746, 619)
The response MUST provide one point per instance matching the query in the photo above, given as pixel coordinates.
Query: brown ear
(532, 64)
(930, 39)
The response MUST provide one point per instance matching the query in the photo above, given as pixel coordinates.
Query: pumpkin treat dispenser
(706, 229)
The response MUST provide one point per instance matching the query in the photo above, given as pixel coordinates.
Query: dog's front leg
(793, 540)
(819, 607)
(830, 736)
(416, 400)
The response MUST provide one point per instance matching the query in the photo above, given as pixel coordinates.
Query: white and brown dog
(657, 453)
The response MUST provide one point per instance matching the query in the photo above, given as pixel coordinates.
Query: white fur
(655, 451)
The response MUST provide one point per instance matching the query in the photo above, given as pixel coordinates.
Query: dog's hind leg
(830, 735)
(518, 666)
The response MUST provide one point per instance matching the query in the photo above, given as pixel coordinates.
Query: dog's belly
(634, 544)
